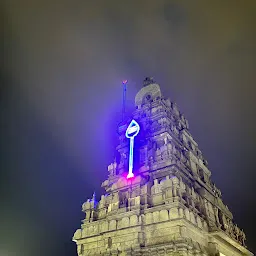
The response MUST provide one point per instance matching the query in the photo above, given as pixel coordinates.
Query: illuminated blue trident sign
(132, 131)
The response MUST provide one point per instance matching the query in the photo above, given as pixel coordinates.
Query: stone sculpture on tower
(164, 202)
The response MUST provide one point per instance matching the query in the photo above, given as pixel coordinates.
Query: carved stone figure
(169, 148)
(86, 205)
(243, 237)
(158, 155)
(123, 157)
(164, 152)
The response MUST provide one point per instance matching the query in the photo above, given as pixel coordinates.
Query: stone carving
(192, 218)
(125, 222)
(164, 152)
(148, 81)
(134, 220)
(137, 201)
(156, 188)
(104, 226)
(86, 205)
(187, 214)
(169, 148)
(242, 237)
(102, 202)
(112, 168)
(199, 222)
(78, 234)
(173, 213)
(112, 225)
(181, 213)
(150, 88)
(154, 208)
(80, 249)
(182, 187)
(148, 218)
(158, 155)
(123, 158)
(164, 215)
(109, 207)
(156, 216)
(176, 131)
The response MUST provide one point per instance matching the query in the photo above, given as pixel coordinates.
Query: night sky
(61, 97)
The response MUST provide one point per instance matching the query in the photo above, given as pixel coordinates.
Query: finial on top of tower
(148, 80)
(150, 90)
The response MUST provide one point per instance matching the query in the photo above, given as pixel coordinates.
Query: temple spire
(170, 204)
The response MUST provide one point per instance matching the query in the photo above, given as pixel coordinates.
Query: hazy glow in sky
(63, 66)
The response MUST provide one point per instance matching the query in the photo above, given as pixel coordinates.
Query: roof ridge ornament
(148, 81)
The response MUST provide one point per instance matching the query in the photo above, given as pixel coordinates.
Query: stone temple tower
(169, 205)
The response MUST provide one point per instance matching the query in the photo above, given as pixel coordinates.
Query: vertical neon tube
(130, 174)
(132, 131)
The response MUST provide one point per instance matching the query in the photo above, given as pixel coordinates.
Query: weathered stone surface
(171, 207)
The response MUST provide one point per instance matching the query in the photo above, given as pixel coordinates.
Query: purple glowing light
(132, 131)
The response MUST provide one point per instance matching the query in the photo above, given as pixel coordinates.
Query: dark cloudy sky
(61, 100)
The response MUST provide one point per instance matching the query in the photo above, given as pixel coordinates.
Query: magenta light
(125, 81)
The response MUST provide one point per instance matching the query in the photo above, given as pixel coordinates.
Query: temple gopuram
(160, 199)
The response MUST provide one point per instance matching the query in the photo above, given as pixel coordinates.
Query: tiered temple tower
(170, 206)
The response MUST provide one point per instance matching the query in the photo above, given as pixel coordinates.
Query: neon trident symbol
(132, 131)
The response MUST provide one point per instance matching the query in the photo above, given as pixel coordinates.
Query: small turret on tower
(148, 80)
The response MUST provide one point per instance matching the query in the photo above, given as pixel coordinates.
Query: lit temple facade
(168, 205)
